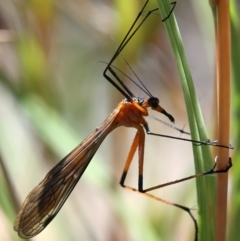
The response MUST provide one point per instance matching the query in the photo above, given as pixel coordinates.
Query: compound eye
(153, 102)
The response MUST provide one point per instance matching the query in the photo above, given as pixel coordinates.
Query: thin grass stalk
(223, 65)
(233, 202)
(202, 156)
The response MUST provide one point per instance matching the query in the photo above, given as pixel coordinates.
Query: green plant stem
(202, 156)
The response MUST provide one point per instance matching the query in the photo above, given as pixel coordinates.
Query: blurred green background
(53, 95)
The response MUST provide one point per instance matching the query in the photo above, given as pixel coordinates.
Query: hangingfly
(44, 201)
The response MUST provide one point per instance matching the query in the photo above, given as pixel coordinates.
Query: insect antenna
(143, 88)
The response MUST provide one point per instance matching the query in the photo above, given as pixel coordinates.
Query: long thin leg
(124, 90)
(200, 143)
(209, 172)
(129, 159)
(124, 42)
(138, 141)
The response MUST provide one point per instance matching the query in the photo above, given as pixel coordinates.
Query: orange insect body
(44, 202)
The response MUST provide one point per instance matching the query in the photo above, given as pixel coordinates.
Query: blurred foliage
(52, 95)
(234, 205)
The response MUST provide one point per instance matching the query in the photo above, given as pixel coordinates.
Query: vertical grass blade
(202, 157)
(234, 219)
